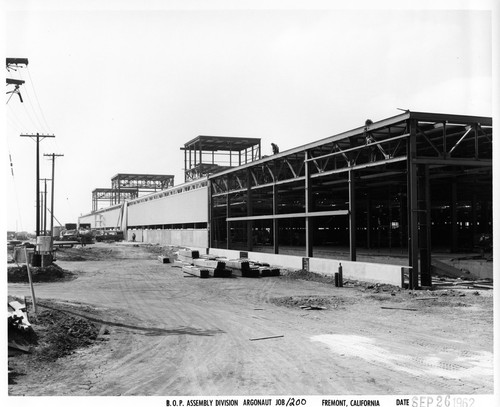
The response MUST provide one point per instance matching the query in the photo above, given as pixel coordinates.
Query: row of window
(174, 226)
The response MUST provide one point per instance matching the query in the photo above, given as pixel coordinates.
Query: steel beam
(290, 215)
(360, 166)
(472, 162)
(348, 150)
(269, 184)
(398, 120)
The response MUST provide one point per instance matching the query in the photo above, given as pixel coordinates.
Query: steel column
(352, 216)
(308, 203)
(368, 216)
(228, 215)
(474, 215)
(210, 214)
(425, 228)
(249, 213)
(275, 221)
(454, 225)
(411, 191)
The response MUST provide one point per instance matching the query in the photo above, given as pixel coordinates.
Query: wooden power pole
(37, 137)
(53, 158)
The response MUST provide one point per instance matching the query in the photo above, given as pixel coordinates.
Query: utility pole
(45, 205)
(41, 212)
(37, 137)
(53, 157)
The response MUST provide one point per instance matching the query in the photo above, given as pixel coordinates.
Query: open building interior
(408, 187)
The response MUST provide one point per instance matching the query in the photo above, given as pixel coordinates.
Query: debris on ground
(267, 337)
(308, 276)
(50, 335)
(309, 302)
(400, 308)
(18, 327)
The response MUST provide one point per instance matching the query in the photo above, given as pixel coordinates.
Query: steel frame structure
(205, 155)
(411, 162)
(112, 195)
(142, 182)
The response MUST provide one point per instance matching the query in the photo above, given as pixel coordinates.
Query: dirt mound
(308, 276)
(84, 253)
(54, 334)
(38, 274)
(111, 251)
(59, 334)
(327, 302)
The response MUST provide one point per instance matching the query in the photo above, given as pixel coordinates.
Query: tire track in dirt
(171, 335)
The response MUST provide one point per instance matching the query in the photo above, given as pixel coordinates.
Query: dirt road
(172, 335)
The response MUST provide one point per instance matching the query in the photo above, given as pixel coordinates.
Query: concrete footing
(353, 270)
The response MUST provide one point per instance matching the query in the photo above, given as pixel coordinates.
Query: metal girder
(459, 141)
(360, 166)
(270, 184)
(335, 153)
(420, 131)
(472, 162)
(111, 195)
(289, 215)
(142, 181)
(370, 141)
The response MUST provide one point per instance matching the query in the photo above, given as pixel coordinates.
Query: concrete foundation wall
(368, 272)
(177, 237)
(355, 270)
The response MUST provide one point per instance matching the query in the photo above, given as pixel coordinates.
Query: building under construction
(413, 185)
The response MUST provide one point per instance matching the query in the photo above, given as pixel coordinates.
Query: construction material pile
(20, 332)
(49, 335)
(17, 317)
(205, 266)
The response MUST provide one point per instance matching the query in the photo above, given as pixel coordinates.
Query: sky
(123, 86)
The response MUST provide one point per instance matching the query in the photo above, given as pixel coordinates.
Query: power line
(17, 202)
(35, 114)
(37, 101)
(15, 123)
